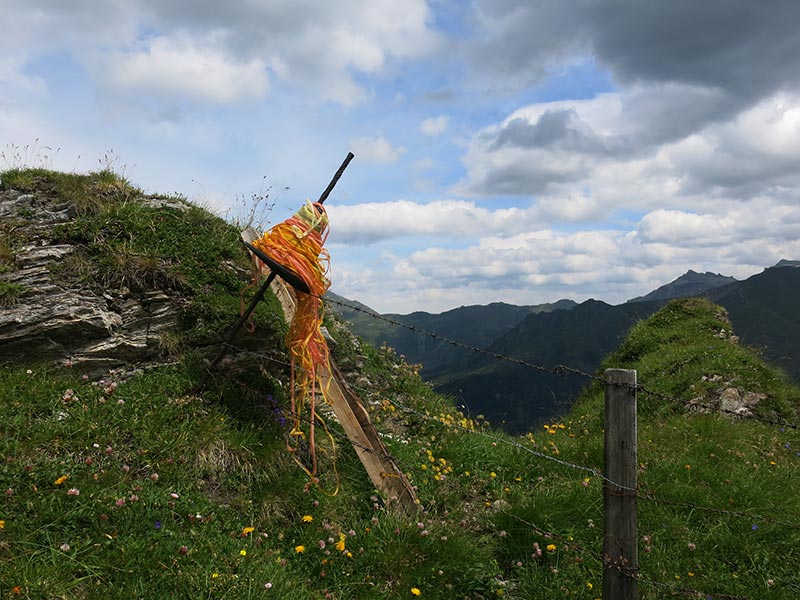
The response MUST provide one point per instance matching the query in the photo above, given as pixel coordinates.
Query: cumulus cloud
(369, 223)
(376, 150)
(544, 264)
(745, 49)
(186, 66)
(599, 148)
(317, 46)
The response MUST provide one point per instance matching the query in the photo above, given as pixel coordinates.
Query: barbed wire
(557, 370)
(561, 369)
(495, 439)
(640, 494)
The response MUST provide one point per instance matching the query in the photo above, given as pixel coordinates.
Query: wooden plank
(620, 549)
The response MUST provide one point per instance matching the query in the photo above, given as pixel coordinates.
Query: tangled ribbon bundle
(297, 244)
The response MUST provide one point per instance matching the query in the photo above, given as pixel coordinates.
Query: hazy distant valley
(762, 309)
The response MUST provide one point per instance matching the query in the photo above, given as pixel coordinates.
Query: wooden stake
(620, 550)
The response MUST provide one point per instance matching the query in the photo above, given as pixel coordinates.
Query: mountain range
(762, 310)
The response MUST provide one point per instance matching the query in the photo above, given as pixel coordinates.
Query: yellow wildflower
(340, 543)
(551, 547)
(243, 552)
(307, 518)
(61, 479)
(492, 474)
(299, 549)
(416, 591)
(2, 524)
(248, 530)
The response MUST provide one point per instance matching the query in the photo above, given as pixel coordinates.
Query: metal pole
(263, 289)
(620, 549)
(245, 315)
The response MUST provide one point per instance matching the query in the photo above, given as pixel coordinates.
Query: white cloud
(376, 150)
(181, 65)
(448, 219)
(434, 125)
(542, 264)
(320, 47)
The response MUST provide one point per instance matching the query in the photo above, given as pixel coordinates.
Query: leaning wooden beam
(381, 468)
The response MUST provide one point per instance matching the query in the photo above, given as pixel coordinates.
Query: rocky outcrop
(51, 319)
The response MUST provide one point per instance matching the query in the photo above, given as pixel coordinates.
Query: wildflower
(214, 575)
(158, 524)
(243, 552)
(299, 549)
(268, 585)
(61, 479)
(589, 585)
(174, 495)
(321, 544)
(2, 524)
(247, 530)
(492, 474)
(120, 502)
(551, 547)
(73, 492)
(340, 543)
(416, 591)
(692, 546)
(754, 527)
(183, 549)
(307, 518)
(770, 582)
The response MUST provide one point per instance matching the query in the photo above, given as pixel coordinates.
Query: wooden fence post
(620, 544)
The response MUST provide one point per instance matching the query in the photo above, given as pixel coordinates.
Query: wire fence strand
(561, 369)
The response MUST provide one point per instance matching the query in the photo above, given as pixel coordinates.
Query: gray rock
(54, 321)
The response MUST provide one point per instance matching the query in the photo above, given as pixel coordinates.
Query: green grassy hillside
(175, 482)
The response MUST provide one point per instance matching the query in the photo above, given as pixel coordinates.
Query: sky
(520, 151)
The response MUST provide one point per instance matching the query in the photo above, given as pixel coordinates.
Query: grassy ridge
(175, 483)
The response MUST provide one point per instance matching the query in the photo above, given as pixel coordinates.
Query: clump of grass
(86, 194)
(10, 293)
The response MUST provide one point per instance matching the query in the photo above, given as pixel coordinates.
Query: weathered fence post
(620, 550)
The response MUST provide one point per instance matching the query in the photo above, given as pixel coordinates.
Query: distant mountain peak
(787, 263)
(689, 284)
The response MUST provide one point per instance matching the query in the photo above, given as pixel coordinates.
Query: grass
(176, 482)
(10, 293)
